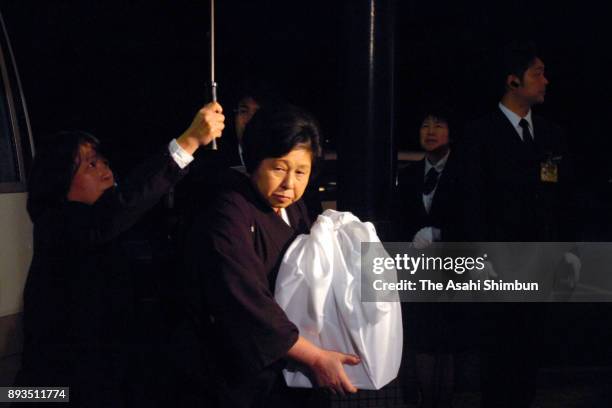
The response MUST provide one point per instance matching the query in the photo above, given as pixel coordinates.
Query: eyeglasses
(241, 110)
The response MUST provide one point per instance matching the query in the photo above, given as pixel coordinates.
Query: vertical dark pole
(213, 83)
(366, 147)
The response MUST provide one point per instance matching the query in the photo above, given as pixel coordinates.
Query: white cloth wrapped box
(319, 288)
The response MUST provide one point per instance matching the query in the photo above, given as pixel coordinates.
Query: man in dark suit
(518, 175)
(516, 159)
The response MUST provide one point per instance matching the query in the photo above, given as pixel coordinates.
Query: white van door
(16, 151)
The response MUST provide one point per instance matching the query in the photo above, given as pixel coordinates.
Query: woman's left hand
(329, 371)
(327, 366)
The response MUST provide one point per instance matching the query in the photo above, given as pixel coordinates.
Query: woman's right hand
(207, 125)
(326, 366)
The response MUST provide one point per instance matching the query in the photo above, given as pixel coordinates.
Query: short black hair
(516, 58)
(53, 169)
(275, 131)
(440, 111)
(440, 108)
(262, 92)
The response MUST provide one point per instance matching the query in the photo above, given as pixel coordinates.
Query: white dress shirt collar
(515, 119)
(439, 166)
(285, 216)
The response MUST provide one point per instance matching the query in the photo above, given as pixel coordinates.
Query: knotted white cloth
(319, 288)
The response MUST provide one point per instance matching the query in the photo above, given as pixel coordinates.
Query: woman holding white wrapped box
(234, 251)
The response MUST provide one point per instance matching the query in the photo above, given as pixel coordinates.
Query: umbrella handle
(213, 91)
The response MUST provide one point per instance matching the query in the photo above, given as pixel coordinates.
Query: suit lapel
(420, 183)
(508, 135)
(543, 139)
(509, 142)
(444, 185)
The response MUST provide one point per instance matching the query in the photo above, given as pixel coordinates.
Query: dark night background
(135, 72)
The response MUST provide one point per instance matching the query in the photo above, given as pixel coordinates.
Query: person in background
(520, 191)
(248, 105)
(428, 208)
(427, 204)
(252, 95)
(192, 194)
(78, 299)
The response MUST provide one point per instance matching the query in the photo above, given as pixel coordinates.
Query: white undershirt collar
(515, 119)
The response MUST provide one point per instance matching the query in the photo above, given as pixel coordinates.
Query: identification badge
(549, 169)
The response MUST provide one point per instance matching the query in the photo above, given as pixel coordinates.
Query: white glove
(425, 237)
(572, 260)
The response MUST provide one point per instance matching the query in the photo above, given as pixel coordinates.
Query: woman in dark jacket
(235, 249)
(428, 209)
(78, 297)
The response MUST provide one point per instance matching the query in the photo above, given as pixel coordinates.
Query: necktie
(527, 137)
(431, 179)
